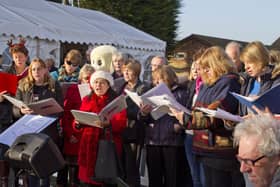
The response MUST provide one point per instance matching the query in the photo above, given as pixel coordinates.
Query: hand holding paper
(43, 107)
(267, 99)
(1, 95)
(145, 109)
(179, 115)
(84, 90)
(221, 114)
(26, 110)
(102, 119)
(171, 102)
(160, 98)
(103, 124)
(86, 118)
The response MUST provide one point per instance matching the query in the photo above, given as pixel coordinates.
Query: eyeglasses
(249, 162)
(71, 63)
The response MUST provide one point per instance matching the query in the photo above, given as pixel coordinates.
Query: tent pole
(37, 47)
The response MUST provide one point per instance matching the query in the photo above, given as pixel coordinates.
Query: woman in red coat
(72, 101)
(102, 94)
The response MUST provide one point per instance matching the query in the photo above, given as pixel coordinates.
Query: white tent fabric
(55, 22)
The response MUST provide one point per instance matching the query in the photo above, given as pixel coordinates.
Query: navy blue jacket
(161, 132)
(266, 83)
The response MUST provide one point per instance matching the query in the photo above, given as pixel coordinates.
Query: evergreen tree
(156, 17)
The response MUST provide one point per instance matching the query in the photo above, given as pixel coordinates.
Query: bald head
(156, 62)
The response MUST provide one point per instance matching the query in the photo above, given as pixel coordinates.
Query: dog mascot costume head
(101, 57)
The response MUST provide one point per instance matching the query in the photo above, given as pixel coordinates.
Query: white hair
(266, 128)
(119, 54)
(233, 45)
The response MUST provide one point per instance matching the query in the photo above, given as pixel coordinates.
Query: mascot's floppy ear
(101, 57)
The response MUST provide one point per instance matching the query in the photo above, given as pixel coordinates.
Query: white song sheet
(26, 124)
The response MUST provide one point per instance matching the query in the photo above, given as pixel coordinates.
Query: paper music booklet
(90, 118)
(42, 107)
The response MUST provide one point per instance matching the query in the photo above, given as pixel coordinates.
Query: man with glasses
(259, 150)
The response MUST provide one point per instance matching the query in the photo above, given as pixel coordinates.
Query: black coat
(134, 133)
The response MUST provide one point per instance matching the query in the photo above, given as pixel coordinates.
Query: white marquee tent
(45, 25)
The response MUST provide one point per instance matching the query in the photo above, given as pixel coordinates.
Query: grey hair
(164, 60)
(266, 128)
(120, 55)
(88, 51)
(233, 44)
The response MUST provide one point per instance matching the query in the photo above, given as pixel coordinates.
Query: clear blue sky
(245, 20)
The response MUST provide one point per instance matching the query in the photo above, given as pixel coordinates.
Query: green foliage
(156, 17)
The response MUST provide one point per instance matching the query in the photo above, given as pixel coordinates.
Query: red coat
(90, 136)
(72, 101)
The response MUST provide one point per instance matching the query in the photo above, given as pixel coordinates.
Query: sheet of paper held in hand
(26, 124)
(84, 89)
(161, 98)
(90, 118)
(43, 107)
(221, 114)
(168, 101)
(158, 90)
(267, 99)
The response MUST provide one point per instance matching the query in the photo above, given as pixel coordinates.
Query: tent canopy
(56, 22)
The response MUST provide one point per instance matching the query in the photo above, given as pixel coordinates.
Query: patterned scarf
(63, 77)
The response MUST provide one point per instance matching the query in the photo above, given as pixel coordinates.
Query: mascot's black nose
(99, 62)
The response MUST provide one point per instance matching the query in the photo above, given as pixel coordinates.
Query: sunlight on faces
(234, 54)
(100, 86)
(20, 59)
(261, 171)
(86, 77)
(129, 75)
(206, 74)
(38, 72)
(209, 72)
(157, 80)
(70, 67)
(194, 70)
(253, 69)
(118, 62)
(156, 63)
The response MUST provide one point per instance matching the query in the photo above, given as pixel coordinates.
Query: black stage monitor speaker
(35, 151)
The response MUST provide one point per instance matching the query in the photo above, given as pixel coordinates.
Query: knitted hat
(102, 74)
